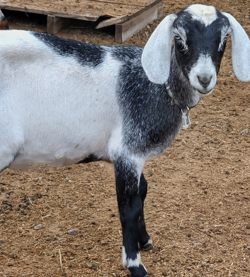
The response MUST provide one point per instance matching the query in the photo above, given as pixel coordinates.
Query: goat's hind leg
(10, 143)
(145, 241)
(11, 135)
(6, 157)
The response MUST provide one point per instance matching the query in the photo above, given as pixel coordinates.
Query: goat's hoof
(138, 271)
(147, 246)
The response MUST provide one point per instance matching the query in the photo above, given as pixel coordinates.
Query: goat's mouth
(203, 92)
(202, 82)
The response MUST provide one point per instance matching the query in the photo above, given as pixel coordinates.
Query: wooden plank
(125, 30)
(128, 16)
(139, 3)
(79, 9)
(117, 20)
(111, 21)
(45, 12)
(53, 5)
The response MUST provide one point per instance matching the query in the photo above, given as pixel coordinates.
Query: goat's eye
(181, 46)
(177, 37)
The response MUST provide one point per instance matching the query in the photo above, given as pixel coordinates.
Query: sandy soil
(64, 221)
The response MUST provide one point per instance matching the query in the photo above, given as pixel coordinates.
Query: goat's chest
(152, 132)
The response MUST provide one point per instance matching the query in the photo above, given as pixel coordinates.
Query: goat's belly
(66, 134)
(60, 153)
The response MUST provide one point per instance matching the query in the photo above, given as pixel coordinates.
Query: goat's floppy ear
(156, 55)
(240, 50)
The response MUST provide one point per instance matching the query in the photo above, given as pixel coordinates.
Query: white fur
(150, 241)
(156, 55)
(116, 147)
(203, 13)
(80, 102)
(126, 262)
(115, 142)
(224, 32)
(124, 257)
(240, 50)
(203, 66)
(134, 263)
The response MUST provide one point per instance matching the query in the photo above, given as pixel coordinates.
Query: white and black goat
(63, 101)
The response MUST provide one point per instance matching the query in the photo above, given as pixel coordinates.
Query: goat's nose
(204, 80)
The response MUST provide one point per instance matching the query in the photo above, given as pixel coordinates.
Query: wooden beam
(125, 30)
(128, 16)
(88, 17)
(89, 10)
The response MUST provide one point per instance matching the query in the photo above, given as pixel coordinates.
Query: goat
(62, 101)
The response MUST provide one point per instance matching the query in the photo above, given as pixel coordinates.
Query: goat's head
(197, 37)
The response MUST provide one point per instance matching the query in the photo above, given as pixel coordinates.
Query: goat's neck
(180, 88)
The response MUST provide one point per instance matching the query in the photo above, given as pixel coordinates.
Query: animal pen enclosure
(127, 16)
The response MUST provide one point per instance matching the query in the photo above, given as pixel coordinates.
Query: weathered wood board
(128, 16)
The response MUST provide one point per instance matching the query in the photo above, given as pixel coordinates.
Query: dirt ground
(64, 221)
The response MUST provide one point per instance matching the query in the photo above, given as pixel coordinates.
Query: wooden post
(55, 24)
(125, 30)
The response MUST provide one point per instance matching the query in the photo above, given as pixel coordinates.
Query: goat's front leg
(145, 241)
(130, 209)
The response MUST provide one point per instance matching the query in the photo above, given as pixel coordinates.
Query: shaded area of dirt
(64, 221)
